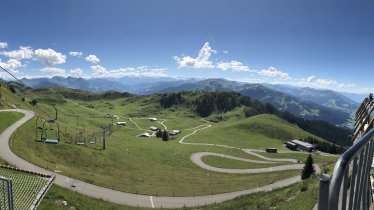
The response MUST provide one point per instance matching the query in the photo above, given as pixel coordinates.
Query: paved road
(117, 196)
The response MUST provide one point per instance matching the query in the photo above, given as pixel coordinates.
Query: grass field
(25, 187)
(220, 162)
(257, 132)
(8, 118)
(54, 200)
(300, 196)
(149, 165)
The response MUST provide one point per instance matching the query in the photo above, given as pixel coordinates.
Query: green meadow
(149, 165)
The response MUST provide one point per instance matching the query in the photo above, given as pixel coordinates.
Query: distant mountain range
(331, 106)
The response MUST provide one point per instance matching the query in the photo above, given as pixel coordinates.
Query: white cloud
(76, 71)
(273, 72)
(225, 52)
(11, 64)
(3, 45)
(318, 82)
(22, 53)
(99, 70)
(93, 59)
(233, 65)
(76, 54)
(201, 61)
(142, 71)
(49, 57)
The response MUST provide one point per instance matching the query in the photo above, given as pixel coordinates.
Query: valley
(236, 140)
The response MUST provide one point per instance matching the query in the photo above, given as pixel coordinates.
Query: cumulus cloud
(22, 53)
(273, 72)
(225, 52)
(76, 71)
(233, 65)
(201, 61)
(49, 57)
(92, 59)
(319, 82)
(76, 54)
(11, 64)
(99, 70)
(3, 45)
(142, 71)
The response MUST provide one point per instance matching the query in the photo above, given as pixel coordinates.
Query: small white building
(153, 119)
(153, 128)
(174, 132)
(121, 123)
(145, 134)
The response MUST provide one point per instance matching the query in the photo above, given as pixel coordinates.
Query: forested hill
(207, 103)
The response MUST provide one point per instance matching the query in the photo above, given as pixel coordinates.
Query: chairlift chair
(49, 126)
(93, 138)
(80, 137)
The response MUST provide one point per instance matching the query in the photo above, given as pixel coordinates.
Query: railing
(350, 186)
(6, 192)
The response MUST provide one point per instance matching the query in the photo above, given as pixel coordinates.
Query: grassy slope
(221, 162)
(56, 195)
(300, 196)
(257, 132)
(8, 118)
(170, 158)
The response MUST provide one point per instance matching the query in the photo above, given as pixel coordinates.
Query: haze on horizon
(310, 43)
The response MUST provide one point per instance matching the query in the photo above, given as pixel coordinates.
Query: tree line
(170, 99)
(210, 102)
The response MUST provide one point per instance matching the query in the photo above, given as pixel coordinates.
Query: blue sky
(325, 44)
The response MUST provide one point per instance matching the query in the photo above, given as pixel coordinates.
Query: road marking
(153, 206)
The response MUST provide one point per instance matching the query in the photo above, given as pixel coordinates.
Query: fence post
(324, 184)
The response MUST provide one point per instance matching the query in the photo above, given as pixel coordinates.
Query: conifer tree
(308, 169)
(165, 136)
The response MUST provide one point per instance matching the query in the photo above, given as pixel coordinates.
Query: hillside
(308, 103)
(327, 98)
(298, 107)
(337, 112)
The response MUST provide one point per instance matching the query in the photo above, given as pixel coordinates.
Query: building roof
(145, 134)
(291, 143)
(305, 144)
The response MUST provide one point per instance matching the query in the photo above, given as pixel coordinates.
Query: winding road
(136, 199)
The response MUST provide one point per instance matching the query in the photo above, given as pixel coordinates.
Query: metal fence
(6, 194)
(350, 186)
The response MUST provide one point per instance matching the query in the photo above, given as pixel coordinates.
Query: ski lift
(80, 137)
(93, 138)
(48, 127)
